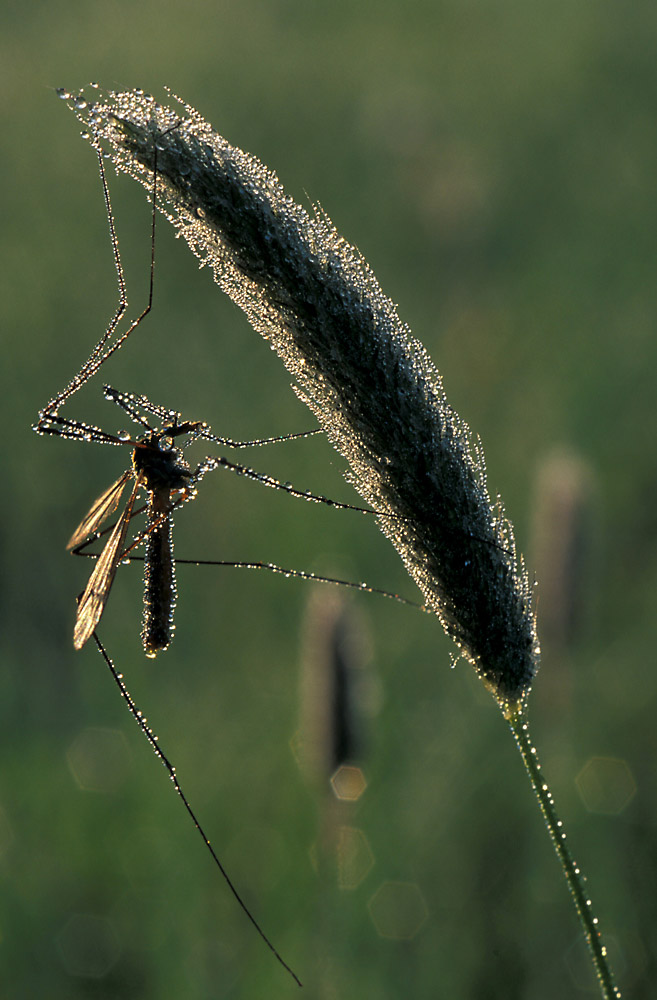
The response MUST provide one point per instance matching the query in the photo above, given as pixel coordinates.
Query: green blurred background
(496, 165)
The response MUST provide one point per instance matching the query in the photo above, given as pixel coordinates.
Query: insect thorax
(162, 468)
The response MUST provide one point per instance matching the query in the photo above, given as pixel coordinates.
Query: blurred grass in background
(496, 164)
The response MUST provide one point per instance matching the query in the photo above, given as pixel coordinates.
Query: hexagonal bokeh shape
(99, 759)
(348, 783)
(88, 945)
(577, 959)
(398, 910)
(354, 857)
(606, 785)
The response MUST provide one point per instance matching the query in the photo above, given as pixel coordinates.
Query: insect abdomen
(159, 578)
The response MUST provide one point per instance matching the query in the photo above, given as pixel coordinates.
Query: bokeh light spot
(99, 759)
(88, 946)
(606, 785)
(348, 783)
(354, 856)
(577, 959)
(398, 910)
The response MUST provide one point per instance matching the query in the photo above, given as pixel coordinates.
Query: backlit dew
(577, 962)
(355, 299)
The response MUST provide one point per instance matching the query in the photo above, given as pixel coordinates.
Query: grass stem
(517, 720)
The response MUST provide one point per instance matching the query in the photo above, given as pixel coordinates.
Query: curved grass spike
(371, 386)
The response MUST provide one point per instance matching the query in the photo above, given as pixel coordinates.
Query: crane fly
(159, 468)
(163, 473)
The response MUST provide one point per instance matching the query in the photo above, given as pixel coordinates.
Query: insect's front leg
(74, 430)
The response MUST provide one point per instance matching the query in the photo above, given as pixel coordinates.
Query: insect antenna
(142, 722)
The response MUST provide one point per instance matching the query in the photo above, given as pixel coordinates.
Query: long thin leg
(102, 352)
(269, 567)
(157, 749)
(74, 430)
(197, 430)
(209, 464)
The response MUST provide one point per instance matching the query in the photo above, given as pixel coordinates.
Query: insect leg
(141, 721)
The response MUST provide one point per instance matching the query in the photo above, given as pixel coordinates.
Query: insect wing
(92, 602)
(100, 510)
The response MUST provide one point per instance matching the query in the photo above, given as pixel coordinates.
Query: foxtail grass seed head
(371, 385)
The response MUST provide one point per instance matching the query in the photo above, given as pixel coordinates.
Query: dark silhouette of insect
(162, 472)
(159, 468)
